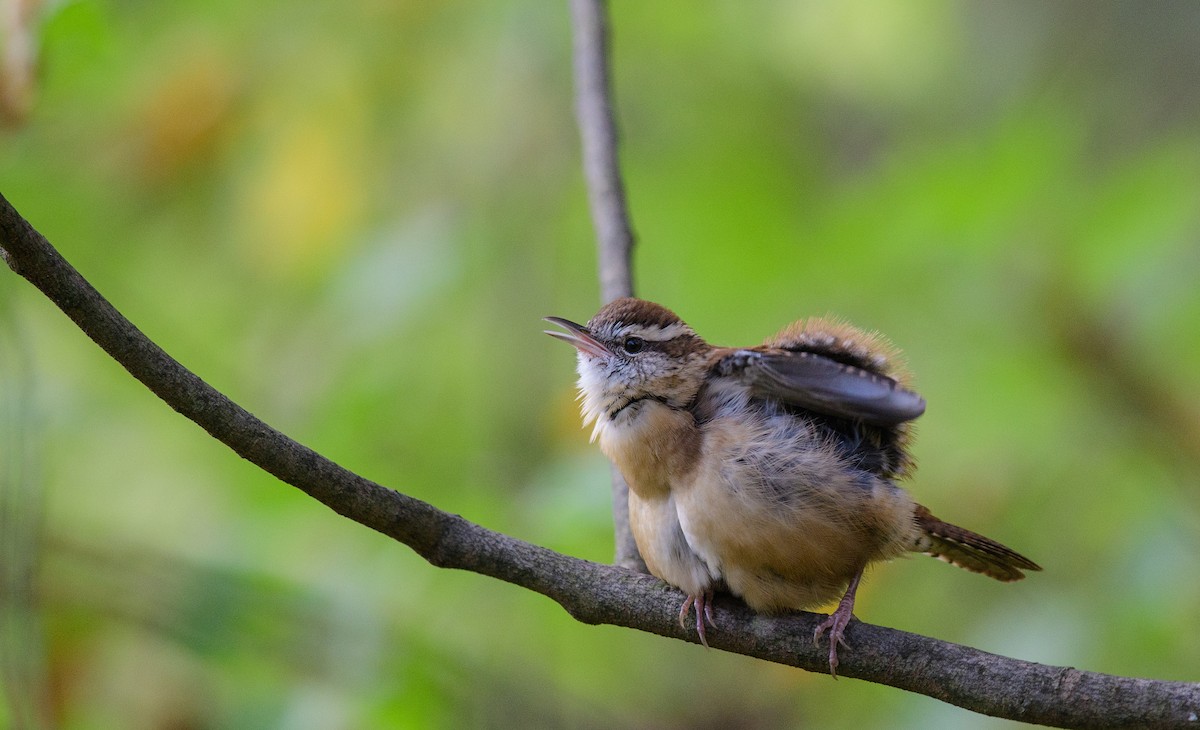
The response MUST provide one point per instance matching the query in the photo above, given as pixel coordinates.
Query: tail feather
(968, 550)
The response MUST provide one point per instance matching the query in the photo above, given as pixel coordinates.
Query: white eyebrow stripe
(659, 334)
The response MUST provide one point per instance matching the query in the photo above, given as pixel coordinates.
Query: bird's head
(634, 353)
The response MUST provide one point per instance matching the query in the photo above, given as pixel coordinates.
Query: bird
(769, 472)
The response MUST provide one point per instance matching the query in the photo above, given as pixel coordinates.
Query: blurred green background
(350, 216)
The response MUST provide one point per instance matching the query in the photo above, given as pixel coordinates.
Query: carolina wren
(767, 471)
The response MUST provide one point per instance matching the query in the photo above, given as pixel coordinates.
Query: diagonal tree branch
(606, 198)
(594, 593)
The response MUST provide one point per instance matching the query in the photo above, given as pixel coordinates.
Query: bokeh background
(350, 216)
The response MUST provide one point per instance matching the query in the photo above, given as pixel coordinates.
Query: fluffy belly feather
(782, 520)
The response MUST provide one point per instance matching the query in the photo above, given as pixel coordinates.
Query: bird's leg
(704, 615)
(837, 622)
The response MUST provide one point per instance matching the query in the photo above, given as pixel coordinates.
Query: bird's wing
(824, 385)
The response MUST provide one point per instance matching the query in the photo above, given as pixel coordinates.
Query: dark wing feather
(824, 385)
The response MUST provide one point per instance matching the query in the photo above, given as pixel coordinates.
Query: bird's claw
(836, 624)
(704, 613)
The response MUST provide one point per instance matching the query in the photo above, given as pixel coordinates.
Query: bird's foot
(704, 615)
(836, 624)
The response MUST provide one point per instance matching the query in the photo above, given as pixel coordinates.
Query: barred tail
(967, 549)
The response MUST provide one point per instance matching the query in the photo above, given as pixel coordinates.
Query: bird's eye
(633, 345)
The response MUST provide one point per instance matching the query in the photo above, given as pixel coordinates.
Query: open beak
(577, 335)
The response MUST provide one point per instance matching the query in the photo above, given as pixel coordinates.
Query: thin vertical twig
(606, 198)
(598, 130)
